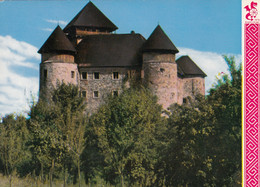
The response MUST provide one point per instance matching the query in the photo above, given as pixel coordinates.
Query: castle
(89, 54)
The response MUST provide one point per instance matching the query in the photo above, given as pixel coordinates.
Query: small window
(45, 74)
(83, 94)
(115, 93)
(115, 75)
(184, 100)
(95, 94)
(96, 75)
(72, 74)
(84, 75)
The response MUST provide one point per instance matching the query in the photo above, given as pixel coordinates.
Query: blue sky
(202, 29)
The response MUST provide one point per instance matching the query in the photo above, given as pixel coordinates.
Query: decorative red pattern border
(251, 51)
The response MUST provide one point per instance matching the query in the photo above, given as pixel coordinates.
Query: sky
(203, 29)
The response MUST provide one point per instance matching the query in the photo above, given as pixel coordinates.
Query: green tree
(203, 138)
(124, 128)
(13, 137)
(226, 102)
(184, 156)
(57, 127)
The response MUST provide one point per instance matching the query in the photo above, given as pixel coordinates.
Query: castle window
(115, 93)
(184, 100)
(162, 70)
(83, 94)
(96, 75)
(84, 75)
(115, 75)
(95, 94)
(72, 74)
(45, 74)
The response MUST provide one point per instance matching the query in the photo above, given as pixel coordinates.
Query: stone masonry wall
(51, 72)
(160, 75)
(105, 85)
(193, 86)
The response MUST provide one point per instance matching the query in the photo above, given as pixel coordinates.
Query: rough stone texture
(160, 75)
(193, 86)
(105, 85)
(57, 71)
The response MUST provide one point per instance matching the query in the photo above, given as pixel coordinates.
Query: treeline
(129, 141)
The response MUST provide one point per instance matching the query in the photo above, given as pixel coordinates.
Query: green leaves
(125, 129)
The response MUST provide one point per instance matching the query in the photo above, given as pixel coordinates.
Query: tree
(124, 129)
(57, 127)
(184, 153)
(226, 102)
(203, 138)
(13, 135)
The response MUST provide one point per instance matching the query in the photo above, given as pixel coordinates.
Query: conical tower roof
(187, 67)
(90, 16)
(57, 42)
(158, 41)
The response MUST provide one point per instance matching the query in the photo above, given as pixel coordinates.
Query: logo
(252, 11)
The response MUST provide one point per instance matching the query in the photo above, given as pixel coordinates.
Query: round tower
(57, 62)
(160, 68)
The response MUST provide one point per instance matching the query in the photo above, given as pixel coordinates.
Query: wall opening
(45, 74)
(72, 74)
(84, 75)
(96, 75)
(95, 94)
(115, 75)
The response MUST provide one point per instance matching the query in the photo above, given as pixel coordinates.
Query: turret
(57, 62)
(90, 20)
(159, 67)
(191, 79)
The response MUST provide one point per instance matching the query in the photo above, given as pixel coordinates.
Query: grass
(30, 182)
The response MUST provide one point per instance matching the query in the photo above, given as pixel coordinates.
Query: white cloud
(16, 88)
(57, 22)
(211, 63)
(47, 29)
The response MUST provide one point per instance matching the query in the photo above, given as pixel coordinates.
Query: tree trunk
(51, 172)
(122, 180)
(64, 182)
(10, 180)
(79, 170)
(42, 173)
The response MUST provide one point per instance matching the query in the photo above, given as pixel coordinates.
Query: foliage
(13, 151)
(124, 129)
(226, 102)
(57, 129)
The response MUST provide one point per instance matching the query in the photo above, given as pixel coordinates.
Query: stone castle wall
(193, 86)
(160, 75)
(52, 72)
(106, 85)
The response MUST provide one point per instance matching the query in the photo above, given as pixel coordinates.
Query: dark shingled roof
(186, 67)
(159, 42)
(110, 50)
(90, 16)
(57, 42)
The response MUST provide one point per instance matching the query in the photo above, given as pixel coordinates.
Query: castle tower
(57, 62)
(191, 79)
(90, 20)
(160, 68)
